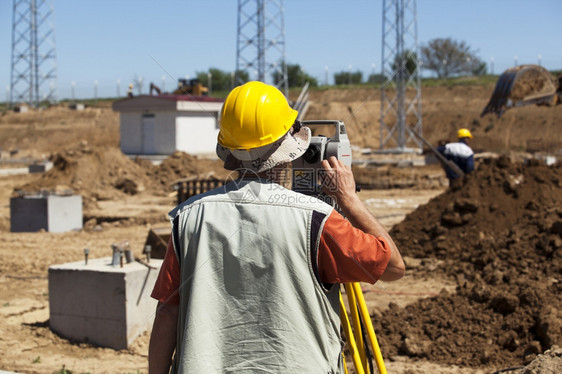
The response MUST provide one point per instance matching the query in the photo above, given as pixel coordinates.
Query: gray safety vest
(249, 298)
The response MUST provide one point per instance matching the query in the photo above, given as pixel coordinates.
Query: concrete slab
(102, 304)
(14, 171)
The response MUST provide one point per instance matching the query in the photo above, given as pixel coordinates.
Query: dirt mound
(181, 165)
(532, 82)
(96, 173)
(500, 236)
(105, 173)
(501, 205)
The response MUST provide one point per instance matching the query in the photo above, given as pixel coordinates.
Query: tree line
(445, 57)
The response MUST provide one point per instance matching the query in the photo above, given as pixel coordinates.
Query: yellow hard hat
(464, 133)
(254, 115)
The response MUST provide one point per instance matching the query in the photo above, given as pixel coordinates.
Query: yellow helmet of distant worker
(254, 115)
(464, 133)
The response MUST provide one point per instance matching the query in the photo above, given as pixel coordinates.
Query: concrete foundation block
(21, 109)
(40, 167)
(52, 213)
(77, 106)
(102, 304)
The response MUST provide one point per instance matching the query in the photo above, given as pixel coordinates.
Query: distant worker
(130, 90)
(460, 153)
(250, 280)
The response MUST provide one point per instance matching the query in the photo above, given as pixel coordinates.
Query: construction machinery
(185, 87)
(524, 85)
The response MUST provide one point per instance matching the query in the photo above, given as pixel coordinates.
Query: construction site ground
(482, 288)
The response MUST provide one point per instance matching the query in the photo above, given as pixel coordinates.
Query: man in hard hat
(250, 281)
(460, 153)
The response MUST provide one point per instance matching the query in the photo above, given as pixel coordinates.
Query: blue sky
(110, 40)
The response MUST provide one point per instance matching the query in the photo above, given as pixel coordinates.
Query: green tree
(220, 80)
(243, 77)
(346, 77)
(375, 78)
(447, 57)
(296, 77)
(408, 59)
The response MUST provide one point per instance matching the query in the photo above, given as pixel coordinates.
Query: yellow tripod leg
(369, 326)
(350, 338)
(344, 364)
(352, 302)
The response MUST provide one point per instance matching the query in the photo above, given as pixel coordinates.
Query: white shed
(163, 124)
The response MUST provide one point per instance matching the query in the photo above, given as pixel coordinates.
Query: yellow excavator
(524, 85)
(185, 87)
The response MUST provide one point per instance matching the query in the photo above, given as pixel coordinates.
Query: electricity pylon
(33, 71)
(400, 92)
(260, 48)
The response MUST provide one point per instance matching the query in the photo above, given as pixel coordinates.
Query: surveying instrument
(307, 179)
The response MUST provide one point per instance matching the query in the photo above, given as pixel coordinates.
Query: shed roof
(170, 102)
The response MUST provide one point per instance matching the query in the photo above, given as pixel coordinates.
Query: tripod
(353, 330)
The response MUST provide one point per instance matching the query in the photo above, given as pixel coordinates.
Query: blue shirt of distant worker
(460, 153)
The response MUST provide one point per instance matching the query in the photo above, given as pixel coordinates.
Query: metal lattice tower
(33, 71)
(261, 42)
(400, 92)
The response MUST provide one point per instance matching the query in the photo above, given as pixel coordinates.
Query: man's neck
(280, 174)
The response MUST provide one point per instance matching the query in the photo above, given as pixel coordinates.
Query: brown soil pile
(500, 236)
(181, 165)
(105, 173)
(96, 173)
(531, 82)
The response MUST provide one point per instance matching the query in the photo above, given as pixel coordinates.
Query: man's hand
(339, 182)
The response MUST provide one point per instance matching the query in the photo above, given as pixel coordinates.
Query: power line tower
(261, 42)
(33, 72)
(400, 92)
